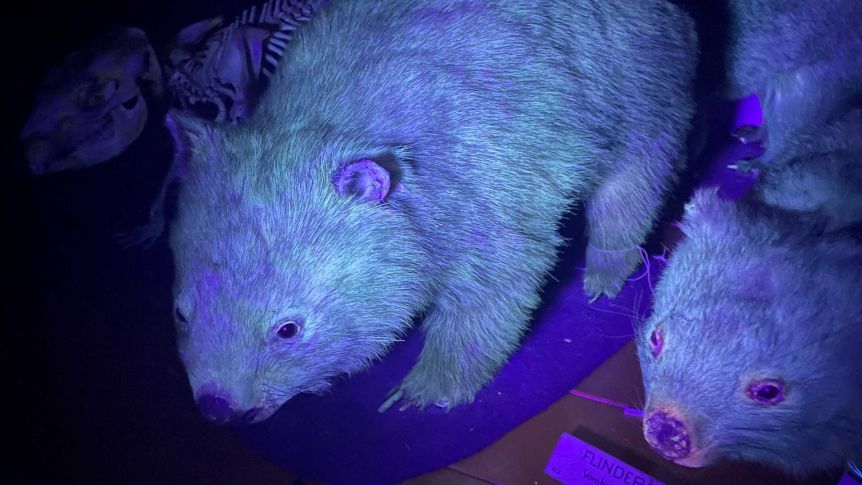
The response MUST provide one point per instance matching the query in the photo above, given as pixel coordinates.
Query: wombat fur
(764, 295)
(766, 289)
(755, 293)
(819, 174)
(415, 158)
(802, 58)
(751, 352)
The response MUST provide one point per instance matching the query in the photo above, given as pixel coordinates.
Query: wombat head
(751, 350)
(295, 261)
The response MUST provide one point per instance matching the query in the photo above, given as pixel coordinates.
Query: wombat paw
(607, 271)
(752, 136)
(418, 391)
(746, 165)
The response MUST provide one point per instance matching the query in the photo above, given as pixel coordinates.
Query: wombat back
(414, 157)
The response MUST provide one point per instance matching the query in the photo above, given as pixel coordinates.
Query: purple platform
(341, 438)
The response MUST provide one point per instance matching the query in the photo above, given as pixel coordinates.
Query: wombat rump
(415, 158)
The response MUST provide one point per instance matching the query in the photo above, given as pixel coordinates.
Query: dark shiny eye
(179, 315)
(288, 329)
(656, 341)
(766, 391)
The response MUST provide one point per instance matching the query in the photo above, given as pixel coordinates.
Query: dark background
(97, 393)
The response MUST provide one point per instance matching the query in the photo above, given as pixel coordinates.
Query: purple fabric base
(341, 438)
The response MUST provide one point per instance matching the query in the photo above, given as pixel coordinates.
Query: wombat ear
(366, 180)
(187, 132)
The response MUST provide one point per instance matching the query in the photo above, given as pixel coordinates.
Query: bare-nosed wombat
(416, 157)
(803, 59)
(752, 350)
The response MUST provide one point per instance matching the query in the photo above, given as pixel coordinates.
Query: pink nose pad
(216, 409)
(667, 435)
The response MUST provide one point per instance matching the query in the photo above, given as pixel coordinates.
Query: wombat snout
(220, 411)
(668, 435)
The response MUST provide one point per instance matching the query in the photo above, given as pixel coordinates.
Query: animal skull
(92, 107)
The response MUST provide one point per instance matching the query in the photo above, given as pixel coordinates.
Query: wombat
(802, 59)
(752, 350)
(819, 173)
(416, 158)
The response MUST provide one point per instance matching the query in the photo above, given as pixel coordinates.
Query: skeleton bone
(91, 107)
(226, 68)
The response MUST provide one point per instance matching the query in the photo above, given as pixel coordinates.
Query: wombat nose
(667, 435)
(216, 409)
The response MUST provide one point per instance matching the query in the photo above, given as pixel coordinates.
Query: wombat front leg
(469, 334)
(620, 215)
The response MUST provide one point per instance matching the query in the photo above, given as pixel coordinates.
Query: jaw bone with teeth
(217, 72)
(91, 107)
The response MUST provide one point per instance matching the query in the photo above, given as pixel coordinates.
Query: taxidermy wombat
(415, 158)
(802, 58)
(819, 173)
(752, 350)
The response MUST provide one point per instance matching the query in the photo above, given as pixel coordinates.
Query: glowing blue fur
(802, 58)
(492, 119)
(755, 292)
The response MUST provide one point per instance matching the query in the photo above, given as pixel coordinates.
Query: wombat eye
(656, 341)
(179, 315)
(288, 329)
(766, 391)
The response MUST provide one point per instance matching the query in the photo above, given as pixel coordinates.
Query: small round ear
(366, 180)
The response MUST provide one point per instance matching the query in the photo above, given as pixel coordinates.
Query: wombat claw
(746, 165)
(397, 395)
(749, 134)
(394, 396)
(607, 272)
(143, 236)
